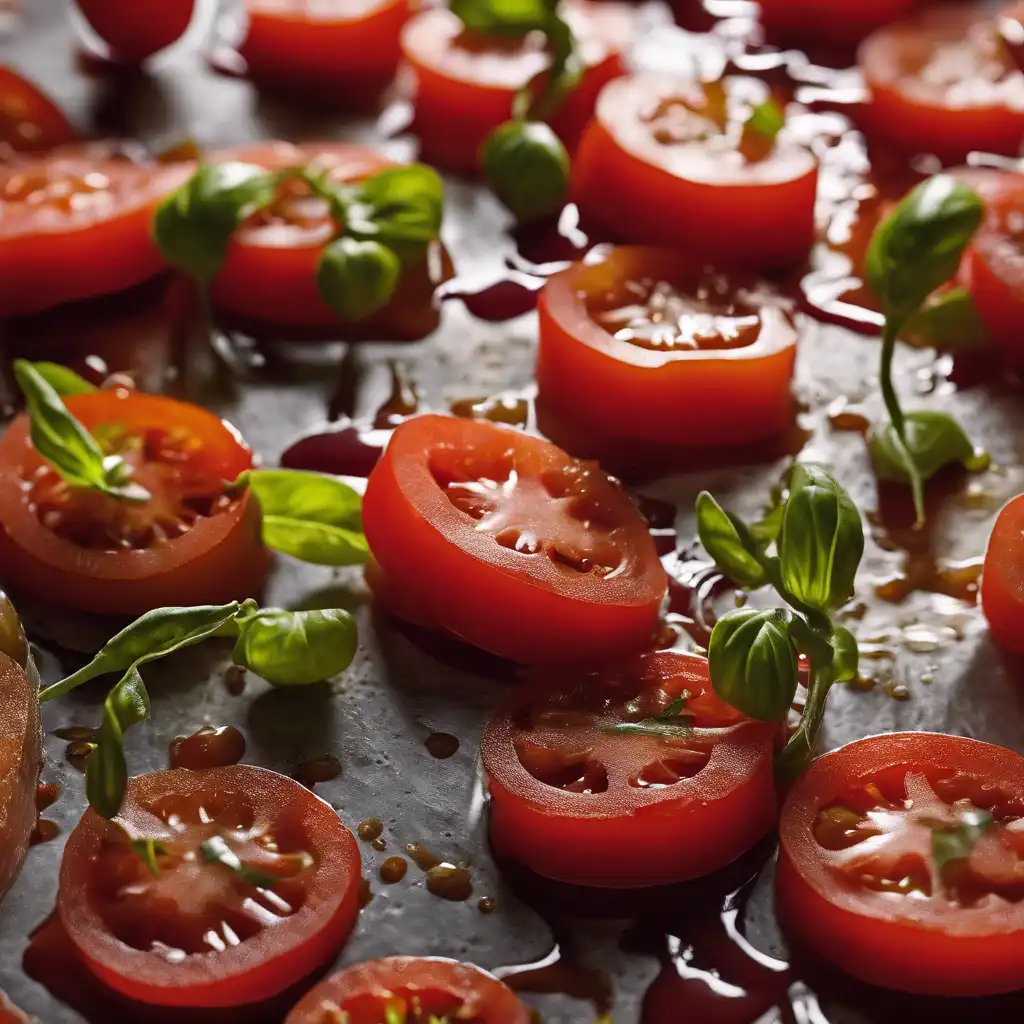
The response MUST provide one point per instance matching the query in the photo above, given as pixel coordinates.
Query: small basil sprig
(916, 249)
(527, 167)
(956, 842)
(767, 119)
(67, 446)
(752, 655)
(106, 773)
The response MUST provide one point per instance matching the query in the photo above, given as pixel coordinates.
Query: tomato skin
(133, 31)
(441, 986)
(29, 120)
(220, 559)
(616, 388)
(1002, 580)
(846, 20)
(10, 1014)
(932, 947)
(264, 964)
(679, 195)
(429, 549)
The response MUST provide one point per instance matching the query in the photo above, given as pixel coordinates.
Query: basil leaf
(752, 662)
(821, 541)
(767, 119)
(934, 440)
(675, 708)
(193, 226)
(655, 727)
(356, 278)
(502, 17)
(154, 635)
(106, 774)
(63, 379)
(527, 167)
(949, 321)
(147, 850)
(768, 528)
(297, 648)
(310, 516)
(955, 842)
(727, 540)
(217, 851)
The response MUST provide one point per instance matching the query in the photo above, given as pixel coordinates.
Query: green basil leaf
(846, 655)
(752, 662)
(63, 379)
(297, 648)
(934, 440)
(154, 635)
(513, 18)
(193, 226)
(655, 727)
(106, 774)
(768, 528)
(217, 851)
(147, 851)
(527, 167)
(675, 708)
(948, 321)
(727, 540)
(955, 842)
(821, 541)
(310, 516)
(767, 119)
(356, 278)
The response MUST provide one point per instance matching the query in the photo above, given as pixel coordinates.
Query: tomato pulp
(1002, 580)
(670, 161)
(135, 31)
(509, 543)
(900, 861)
(190, 543)
(29, 121)
(842, 20)
(465, 82)
(647, 344)
(943, 83)
(200, 932)
(416, 990)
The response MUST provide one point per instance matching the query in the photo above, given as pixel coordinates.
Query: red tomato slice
(136, 31)
(510, 543)
(74, 223)
(189, 544)
(29, 121)
(470, 80)
(623, 339)
(351, 43)
(858, 879)
(416, 989)
(10, 1014)
(845, 20)
(1002, 581)
(579, 804)
(197, 933)
(668, 161)
(270, 272)
(943, 83)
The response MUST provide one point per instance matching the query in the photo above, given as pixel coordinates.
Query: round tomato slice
(467, 79)
(659, 800)
(670, 161)
(901, 860)
(648, 344)
(1002, 581)
(29, 121)
(201, 932)
(411, 989)
(190, 543)
(943, 83)
(509, 543)
(74, 223)
(135, 31)
(269, 275)
(10, 1014)
(846, 19)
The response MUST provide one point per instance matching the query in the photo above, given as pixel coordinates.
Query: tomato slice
(269, 275)
(901, 861)
(350, 43)
(197, 933)
(1002, 581)
(580, 804)
(189, 544)
(10, 1014)
(470, 80)
(416, 990)
(509, 543)
(943, 83)
(133, 31)
(669, 161)
(29, 121)
(846, 20)
(650, 345)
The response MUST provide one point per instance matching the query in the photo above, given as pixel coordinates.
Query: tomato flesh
(1002, 580)
(29, 121)
(135, 32)
(579, 804)
(846, 19)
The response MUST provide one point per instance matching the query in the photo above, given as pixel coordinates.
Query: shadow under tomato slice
(197, 933)
(577, 796)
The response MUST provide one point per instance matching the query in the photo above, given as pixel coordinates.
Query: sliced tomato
(198, 933)
(1002, 580)
(509, 543)
(341, 43)
(136, 31)
(901, 859)
(469, 80)
(270, 272)
(845, 20)
(669, 161)
(29, 121)
(414, 990)
(648, 344)
(578, 803)
(943, 83)
(190, 543)
(74, 223)
(10, 1014)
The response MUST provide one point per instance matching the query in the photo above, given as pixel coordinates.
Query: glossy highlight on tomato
(509, 543)
(190, 543)
(417, 989)
(648, 344)
(465, 82)
(859, 881)
(29, 121)
(135, 31)
(1002, 580)
(198, 933)
(669, 161)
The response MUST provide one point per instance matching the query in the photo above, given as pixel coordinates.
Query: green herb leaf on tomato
(63, 379)
(216, 851)
(147, 850)
(767, 119)
(527, 168)
(357, 278)
(955, 842)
